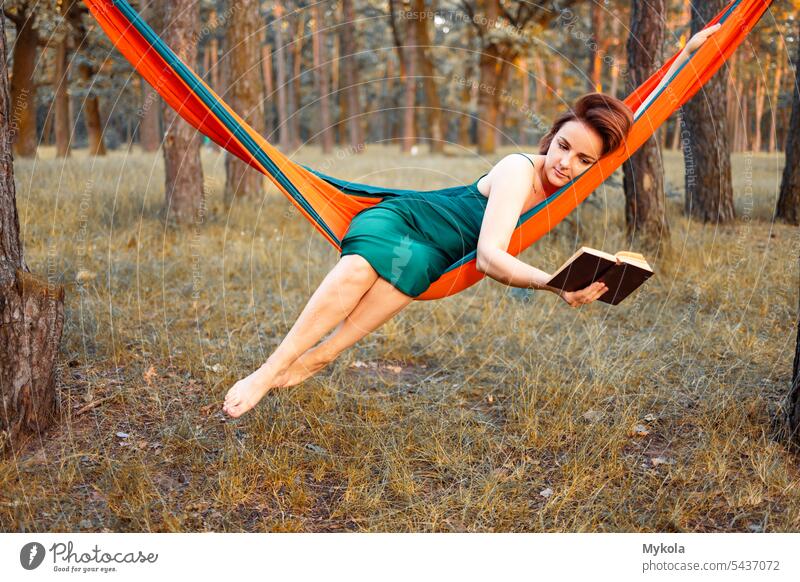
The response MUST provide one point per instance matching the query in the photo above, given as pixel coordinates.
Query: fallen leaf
(546, 492)
(640, 431)
(149, 375)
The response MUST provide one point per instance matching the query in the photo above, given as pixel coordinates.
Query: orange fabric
(337, 208)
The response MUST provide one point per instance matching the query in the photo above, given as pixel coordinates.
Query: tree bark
(244, 93)
(709, 189)
(31, 310)
(182, 167)
(280, 80)
(645, 206)
(321, 80)
(776, 91)
(91, 112)
(350, 75)
(433, 105)
(150, 128)
(759, 109)
(788, 208)
(23, 86)
(150, 119)
(62, 121)
(793, 399)
(409, 90)
(297, 71)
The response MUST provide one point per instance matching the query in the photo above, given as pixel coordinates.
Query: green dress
(411, 239)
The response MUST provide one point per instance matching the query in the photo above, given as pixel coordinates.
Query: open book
(622, 273)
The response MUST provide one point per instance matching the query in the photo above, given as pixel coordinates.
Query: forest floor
(492, 410)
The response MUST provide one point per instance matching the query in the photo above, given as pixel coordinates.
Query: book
(623, 273)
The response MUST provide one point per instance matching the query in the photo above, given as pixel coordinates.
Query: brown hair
(607, 115)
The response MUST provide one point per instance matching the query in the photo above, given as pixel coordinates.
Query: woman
(393, 250)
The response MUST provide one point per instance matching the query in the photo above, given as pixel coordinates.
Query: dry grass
(655, 416)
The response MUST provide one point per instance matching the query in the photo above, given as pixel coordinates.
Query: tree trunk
(351, 74)
(645, 206)
(387, 91)
(793, 400)
(23, 87)
(788, 208)
(149, 117)
(62, 121)
(182, 167)
(776, 92)
(91, 112)
(280, 81)
(31, 310)
(490, 78)
(244, 93)
(524, 76)
(709, 190)
(269, 93)
(410, 90)
(759, 112)
(150, 128)
(321, 81)
(596, 50)
(433, 105)
(464, 139)
(297, 66)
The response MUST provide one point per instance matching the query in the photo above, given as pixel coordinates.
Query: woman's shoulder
(484, 182)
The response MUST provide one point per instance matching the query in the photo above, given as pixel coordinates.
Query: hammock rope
(330, 203)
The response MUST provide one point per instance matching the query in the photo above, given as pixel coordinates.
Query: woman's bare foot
(246, 393)
(303, 368)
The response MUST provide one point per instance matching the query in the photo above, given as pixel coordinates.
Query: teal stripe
(214, 105)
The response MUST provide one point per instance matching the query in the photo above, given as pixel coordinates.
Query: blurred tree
(405, 37)
(350, 77)
(244, 90)
(788, 208)
(31, 309)
(503, 32)
(707, 157)
(321, 77)
(645, 206)
(280, 80)
(433, 105)
(24, 15)
(182, 166)
(150, 110)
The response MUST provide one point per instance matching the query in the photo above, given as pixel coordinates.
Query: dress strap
(527, 158)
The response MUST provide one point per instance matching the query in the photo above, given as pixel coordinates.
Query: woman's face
(574, 148)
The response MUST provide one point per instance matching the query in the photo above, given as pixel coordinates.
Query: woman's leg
(379, 305)
(338, 294)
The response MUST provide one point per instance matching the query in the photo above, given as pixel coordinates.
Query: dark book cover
(585, 268)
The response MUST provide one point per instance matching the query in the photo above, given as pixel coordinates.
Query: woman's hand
(698, 39)
(584, 296)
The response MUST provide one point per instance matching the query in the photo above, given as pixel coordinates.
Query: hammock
(330, 203)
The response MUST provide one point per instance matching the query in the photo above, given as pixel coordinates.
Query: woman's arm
(511, 180)
(694, 43)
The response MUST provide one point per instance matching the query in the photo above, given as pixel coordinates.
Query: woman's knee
(358, 269)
